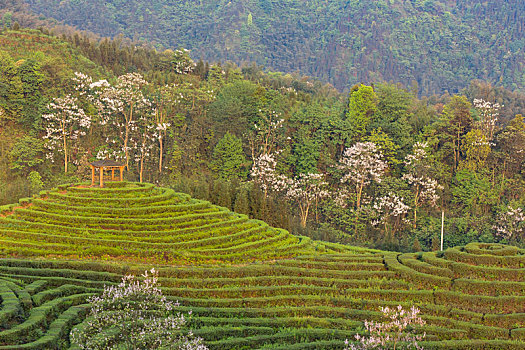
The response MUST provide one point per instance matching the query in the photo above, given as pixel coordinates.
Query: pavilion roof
(107, 163)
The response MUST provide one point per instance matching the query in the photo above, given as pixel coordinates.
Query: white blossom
(63, 126)
(362, 164)
(489, 113)
(510, 224)
(390, 209)
(141, 315)
(304, 190)
(424, 187)
(383, 335)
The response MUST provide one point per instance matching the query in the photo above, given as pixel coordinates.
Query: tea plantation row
(249, 286)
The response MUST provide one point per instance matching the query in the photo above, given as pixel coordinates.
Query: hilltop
(142, 223)
(440, 45)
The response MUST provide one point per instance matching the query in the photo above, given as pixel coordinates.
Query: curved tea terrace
(471, 297)
(142, 223)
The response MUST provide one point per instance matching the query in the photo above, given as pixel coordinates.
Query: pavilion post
(107, 165)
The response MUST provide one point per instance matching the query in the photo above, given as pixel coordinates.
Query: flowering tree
(391, 333)
(362, 164)
(263, 173)
(182, 62)
(65, 123)
(511, 224)
(418, 177)
(122, 103)
(134, 314)
(264, 136)
(164, 96)
(143, 138)
(391, 210)
(305, 190)
(488, 116)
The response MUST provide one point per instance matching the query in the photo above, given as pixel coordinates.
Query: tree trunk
(459, 143)
(415, 205)
(65, 153)
(126, 138)
(358, 205)
(304, 214)
(160, 153)
(141, 166)
(126, 146)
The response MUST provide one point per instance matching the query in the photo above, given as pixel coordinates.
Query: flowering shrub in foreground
(389, 334)
(134, 315)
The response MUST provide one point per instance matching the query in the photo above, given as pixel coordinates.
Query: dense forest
(374, 167)
(432, 45)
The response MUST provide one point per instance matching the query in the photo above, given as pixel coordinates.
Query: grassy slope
(307, 298)
(142, 223)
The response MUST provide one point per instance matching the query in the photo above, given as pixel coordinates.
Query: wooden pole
(92, 175)
(112, 174)
(121, 170)
(442, 227)
(101, 176)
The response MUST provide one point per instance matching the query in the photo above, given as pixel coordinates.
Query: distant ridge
(434, 44)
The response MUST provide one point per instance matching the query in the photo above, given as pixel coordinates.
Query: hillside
(141, 223)
(471, 297)
(217, 121)
(439, 44)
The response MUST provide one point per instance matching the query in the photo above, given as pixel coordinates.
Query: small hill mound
(141, 223)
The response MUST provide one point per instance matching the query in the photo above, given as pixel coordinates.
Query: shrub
(134, 314)
(391, 332)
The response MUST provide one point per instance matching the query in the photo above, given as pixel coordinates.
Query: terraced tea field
(140, 222)
(471, 297)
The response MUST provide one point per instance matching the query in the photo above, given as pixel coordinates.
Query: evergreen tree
(228, 158)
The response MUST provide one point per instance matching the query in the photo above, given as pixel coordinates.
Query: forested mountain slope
(221, 121)
(440, 44)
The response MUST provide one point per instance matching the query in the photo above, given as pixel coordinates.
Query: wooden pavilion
(106, 165)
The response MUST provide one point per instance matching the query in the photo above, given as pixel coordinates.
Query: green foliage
(303, 303)
(11, 93)
(476, 149)
(221, 118)
(242, 203)
(393, 114)
(32, 79)
(385, 144)
(26, 155)
(35, 181)
(361, 108)
(132, 212)
(228, 158)
(236, 107)
(473, 192)
(438, 44)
